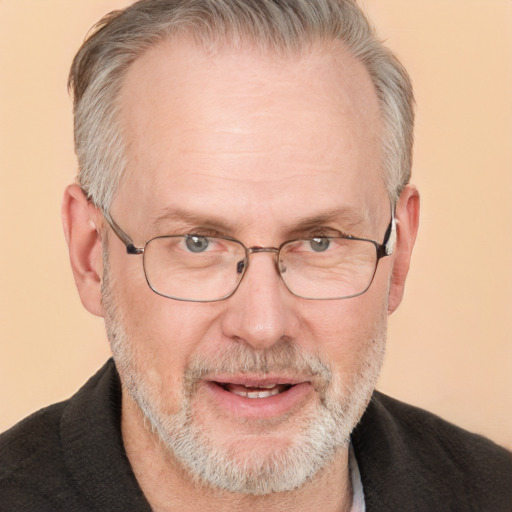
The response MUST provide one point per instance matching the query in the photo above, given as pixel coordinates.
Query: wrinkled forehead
(179, 74)
(247, 124)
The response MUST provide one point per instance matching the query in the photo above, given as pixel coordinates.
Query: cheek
(342, 332)
(162, 335)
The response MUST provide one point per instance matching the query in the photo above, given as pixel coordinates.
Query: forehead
(253, 129)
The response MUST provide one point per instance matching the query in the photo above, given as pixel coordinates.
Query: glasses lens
(199, 268)
(195, 268)
(328, 268)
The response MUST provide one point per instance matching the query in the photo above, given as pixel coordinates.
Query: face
(258, 392)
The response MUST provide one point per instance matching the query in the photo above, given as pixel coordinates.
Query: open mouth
(253, 397)
(260, 391)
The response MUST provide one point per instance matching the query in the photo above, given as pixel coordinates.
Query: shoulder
(25, 449)
(33, 438)
(431, 460)
(421, 428)
(40, 455)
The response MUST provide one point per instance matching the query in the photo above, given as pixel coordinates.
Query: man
(243, 221)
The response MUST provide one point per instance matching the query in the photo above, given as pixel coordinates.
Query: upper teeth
(257, 393)
(260, 391)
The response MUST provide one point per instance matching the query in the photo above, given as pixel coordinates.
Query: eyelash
(209, 233)
(322, 232)
(325, 233)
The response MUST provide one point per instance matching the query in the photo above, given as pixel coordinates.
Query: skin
(254, 147)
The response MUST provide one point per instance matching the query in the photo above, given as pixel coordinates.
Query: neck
(169, 487)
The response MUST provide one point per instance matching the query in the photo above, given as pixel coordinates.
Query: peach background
(450, 344)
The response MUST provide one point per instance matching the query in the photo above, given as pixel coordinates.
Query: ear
(82, 224)
(407, 215)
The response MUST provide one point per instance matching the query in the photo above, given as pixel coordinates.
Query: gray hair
(285, 26)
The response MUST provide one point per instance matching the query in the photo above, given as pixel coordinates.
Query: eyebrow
(345, 218)
(191, 219)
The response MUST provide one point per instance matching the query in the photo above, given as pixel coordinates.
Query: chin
(247, 457)
(251, 456)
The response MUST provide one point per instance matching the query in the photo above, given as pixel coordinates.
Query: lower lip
(259, 408)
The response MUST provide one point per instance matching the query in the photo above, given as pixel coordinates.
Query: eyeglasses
(199, 268)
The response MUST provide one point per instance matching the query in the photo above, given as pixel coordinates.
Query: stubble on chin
(324, 428)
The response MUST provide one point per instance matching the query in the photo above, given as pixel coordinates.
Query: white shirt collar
(357, 486)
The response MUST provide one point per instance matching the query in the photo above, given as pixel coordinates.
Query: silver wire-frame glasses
(198, 268)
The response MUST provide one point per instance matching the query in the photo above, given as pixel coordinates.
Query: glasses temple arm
(127, 241)
(388, 245)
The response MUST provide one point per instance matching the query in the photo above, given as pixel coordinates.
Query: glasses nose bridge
(258, 249)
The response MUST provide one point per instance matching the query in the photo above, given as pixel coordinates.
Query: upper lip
(254, 381)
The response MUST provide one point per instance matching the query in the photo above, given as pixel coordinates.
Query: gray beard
(324, 429)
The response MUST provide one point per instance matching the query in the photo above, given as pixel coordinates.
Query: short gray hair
(285, 26)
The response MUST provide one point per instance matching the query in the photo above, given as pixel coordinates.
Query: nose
(260, 313)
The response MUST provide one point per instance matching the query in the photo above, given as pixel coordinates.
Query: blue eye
(196, 243)
(319, 244)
